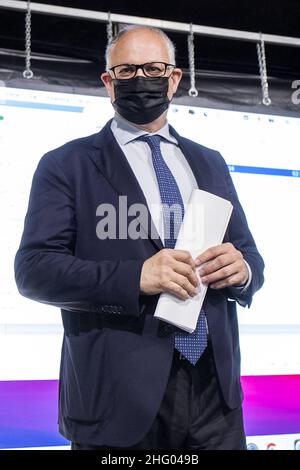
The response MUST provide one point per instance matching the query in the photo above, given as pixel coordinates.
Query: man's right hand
(170, 271)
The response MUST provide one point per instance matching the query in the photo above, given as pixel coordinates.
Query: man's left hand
(224, 266)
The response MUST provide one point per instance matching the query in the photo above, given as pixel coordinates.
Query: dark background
(70, 52)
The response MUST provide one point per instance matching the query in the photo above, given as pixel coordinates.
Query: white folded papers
(203, 226)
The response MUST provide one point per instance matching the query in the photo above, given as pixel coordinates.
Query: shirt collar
(125, 131)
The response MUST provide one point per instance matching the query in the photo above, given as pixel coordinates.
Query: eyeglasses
(150, 69)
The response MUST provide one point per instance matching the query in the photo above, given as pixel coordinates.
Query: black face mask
(141, 99)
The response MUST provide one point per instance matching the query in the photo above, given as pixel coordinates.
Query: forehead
(140, 46)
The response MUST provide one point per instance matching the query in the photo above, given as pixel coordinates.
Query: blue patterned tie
(191, 345)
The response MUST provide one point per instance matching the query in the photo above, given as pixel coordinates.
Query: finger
(213, 252)
(221, 274)
(216, 264)
(183, 256)
(177, 290)
(187, 271)
(228, 282)
(184, 283)
(168, 256)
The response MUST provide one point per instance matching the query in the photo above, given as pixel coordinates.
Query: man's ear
(108, 83)
(174, 82)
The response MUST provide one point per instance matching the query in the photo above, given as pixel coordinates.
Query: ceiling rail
(101, 16)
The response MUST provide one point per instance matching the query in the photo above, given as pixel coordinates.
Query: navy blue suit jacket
(116, 356)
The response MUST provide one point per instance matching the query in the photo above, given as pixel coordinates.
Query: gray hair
(128, 28)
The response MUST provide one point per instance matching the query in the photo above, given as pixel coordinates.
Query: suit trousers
(192, 414)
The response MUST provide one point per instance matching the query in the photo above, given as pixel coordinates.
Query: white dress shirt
(139, 157)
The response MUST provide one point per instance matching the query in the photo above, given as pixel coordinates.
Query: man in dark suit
(127, 379)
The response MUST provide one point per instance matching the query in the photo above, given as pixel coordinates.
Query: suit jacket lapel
(112, 163)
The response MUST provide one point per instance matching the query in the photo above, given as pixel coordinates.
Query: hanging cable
(260, 47)
(28, 73)
(191, 51)
(109, 28)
